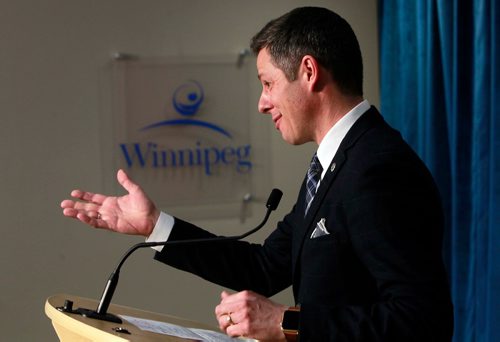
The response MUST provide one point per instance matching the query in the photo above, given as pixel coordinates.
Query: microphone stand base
(68, 307)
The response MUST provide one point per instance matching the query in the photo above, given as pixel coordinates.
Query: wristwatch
(290, 323)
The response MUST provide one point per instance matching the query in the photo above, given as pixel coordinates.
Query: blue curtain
(440, 88)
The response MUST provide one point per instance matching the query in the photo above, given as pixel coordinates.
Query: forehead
(265, 66)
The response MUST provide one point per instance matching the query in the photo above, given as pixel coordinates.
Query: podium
(76, 328)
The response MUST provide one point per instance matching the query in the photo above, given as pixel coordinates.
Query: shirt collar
(331, 142)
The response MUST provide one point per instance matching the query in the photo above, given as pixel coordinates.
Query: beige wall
(53, 56)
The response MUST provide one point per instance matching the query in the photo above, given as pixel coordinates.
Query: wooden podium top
(76, 328)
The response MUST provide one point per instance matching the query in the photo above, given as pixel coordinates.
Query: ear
(309, 71)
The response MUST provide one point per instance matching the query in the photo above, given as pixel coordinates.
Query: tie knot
(315, 167)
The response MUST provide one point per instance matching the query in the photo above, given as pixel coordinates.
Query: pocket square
(320, 229)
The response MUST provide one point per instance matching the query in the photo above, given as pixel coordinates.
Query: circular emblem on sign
(187, 98)
(186, 101)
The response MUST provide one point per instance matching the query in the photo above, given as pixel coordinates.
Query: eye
(266, 84)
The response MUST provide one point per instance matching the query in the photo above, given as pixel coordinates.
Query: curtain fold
(439, 87)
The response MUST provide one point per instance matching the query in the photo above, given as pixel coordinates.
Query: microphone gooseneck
(101, 312)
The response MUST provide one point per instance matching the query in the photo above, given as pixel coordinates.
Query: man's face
(286, 101)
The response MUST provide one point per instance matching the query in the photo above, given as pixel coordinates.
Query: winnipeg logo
(186, 100)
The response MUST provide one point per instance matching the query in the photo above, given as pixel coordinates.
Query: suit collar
(335, 135)
(365, 122)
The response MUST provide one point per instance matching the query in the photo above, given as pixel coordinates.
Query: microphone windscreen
(274, 199)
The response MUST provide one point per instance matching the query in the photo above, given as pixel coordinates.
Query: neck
(334, 108)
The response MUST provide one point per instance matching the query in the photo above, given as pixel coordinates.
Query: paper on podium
(179, 331)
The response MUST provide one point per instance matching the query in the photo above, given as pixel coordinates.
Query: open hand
(133, 214)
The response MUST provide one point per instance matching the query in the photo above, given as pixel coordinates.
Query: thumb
(224, 295)
(125, 181)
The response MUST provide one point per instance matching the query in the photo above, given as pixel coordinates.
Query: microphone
(101, 312)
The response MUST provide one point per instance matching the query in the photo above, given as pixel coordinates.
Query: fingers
(88, 203)
(232, 312)
(86, 212)
(67, 204)
(249, 314)
(223, 308)
(88, 196)
(223, 312)
(82, 215)
(92, 218)
(225, 321)
(70, 212)
(88, 218)
(235, 300)
(232, 325)
(72, 208)
(238, 329)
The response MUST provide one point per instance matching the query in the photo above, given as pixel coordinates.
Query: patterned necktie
(313, 177)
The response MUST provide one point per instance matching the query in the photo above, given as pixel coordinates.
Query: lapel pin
(333, 167)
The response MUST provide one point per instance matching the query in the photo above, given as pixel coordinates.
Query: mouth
(276, 120)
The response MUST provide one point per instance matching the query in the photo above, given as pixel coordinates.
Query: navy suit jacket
(377, 276)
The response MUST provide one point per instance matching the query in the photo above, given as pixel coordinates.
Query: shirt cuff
(162, 230)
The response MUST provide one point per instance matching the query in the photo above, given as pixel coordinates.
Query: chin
(293, 141)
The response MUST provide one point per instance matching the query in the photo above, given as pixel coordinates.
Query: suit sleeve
(238, 265)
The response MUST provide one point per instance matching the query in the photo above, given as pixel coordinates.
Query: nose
(265, 104)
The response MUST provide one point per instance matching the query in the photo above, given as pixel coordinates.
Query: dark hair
(320, 33)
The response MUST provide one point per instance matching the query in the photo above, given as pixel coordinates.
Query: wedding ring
(99, 216)
(228, 319)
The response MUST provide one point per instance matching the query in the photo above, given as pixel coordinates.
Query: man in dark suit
(361, 246)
